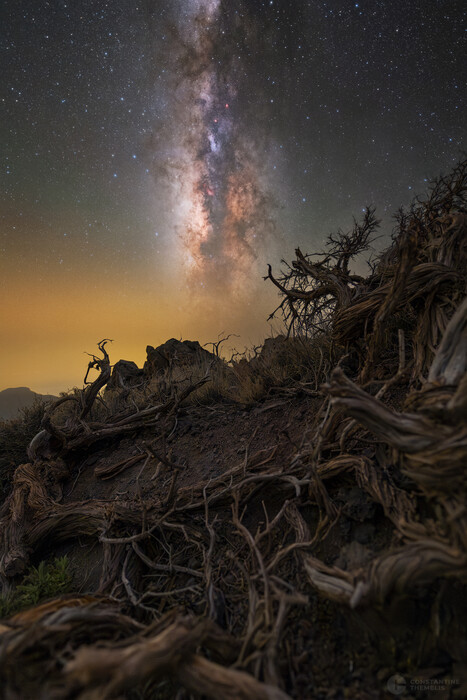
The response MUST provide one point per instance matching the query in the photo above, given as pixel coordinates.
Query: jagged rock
(273, 349)
(175, 353)
(125, 374)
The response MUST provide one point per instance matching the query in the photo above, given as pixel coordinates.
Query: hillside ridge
(13, 399)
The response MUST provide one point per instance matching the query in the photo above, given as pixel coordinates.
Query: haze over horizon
(158, 154)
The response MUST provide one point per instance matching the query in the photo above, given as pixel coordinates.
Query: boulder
(125, 375)
(179, 353)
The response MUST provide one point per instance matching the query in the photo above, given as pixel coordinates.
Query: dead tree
(413, 287)
(315, 287)
(102, 364)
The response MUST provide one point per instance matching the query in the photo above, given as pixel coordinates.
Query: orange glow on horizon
(47, 330)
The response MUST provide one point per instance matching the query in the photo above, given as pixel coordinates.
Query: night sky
(156, 155)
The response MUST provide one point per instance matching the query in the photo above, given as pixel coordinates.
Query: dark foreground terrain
(291, 525)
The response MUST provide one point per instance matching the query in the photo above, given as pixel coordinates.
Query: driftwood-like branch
(171, 653)
(408, 432)
(407, 244)
(413, 565)
(103, 365)
(450, 363)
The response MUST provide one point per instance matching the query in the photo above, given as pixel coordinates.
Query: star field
(128, 211)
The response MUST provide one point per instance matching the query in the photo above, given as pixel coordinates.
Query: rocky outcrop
(125, 375)
(180, 353)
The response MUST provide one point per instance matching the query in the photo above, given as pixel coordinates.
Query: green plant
(48, 580)
(6, 604)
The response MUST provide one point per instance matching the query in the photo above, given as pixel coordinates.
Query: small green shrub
(48, 580)
(6, 605)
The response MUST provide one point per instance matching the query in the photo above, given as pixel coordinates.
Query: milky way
(223, 206)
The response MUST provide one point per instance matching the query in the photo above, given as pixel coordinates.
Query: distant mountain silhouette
(12, 400)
